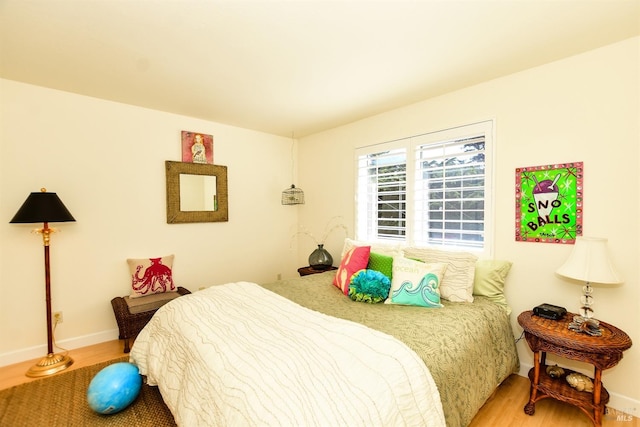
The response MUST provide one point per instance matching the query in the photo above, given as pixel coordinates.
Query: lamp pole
(46, 235)
(52, 362)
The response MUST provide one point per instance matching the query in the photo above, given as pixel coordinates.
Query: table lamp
(45, 207)
(589, 262)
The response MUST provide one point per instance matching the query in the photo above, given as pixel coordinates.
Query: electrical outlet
(57, 317)
(279, 276)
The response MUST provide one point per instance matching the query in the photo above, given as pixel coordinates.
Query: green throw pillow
(490, 279)
(381, 263)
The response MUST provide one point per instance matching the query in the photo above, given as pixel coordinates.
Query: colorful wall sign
(549, 203)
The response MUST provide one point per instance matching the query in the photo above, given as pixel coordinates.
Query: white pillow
(390, 249)
(457, 284)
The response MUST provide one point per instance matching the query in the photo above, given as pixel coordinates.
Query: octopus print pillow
(151, 276)
(416, 283)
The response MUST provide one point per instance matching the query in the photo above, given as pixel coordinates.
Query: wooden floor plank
(504, 408)
(15, 374)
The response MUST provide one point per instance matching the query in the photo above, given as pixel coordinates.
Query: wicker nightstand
(545, 335)
(131, 320)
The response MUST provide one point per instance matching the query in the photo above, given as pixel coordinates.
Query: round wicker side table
(554, 336)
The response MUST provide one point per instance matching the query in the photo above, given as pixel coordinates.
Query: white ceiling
(292, 66)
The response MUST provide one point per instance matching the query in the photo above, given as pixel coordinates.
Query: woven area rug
(61, 400)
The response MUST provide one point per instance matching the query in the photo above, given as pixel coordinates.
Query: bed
(429, 366)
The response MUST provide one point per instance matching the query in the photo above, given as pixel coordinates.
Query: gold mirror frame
(173, 172)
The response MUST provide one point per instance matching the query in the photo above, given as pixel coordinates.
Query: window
(428, 190)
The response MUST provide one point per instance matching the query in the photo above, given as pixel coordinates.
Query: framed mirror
(196, 192)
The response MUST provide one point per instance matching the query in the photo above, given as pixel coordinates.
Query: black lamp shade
(42, 207)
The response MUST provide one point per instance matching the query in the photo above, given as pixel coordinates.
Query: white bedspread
(240, 355)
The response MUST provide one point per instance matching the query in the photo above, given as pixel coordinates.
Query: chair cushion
(149, 302)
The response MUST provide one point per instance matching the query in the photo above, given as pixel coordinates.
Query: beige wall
(584, 108)
(106, 162)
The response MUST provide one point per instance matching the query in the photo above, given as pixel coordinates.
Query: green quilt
(468, 347)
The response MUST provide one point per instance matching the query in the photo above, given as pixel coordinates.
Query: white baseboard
(36, 352)
(620, 407)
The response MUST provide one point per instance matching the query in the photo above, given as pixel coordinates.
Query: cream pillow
(390, 249)
(457, 284)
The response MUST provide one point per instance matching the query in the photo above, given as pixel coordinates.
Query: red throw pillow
(355, 259)
(151, 276)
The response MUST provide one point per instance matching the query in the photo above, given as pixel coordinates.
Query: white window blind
(446, 200)
(382, 193)
(449, 192)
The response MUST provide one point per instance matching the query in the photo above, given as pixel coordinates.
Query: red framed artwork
(197, 147)
(549, 203)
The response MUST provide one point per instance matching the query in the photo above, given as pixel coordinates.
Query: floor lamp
(45, 207)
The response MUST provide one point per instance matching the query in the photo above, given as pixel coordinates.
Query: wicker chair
(132, 314)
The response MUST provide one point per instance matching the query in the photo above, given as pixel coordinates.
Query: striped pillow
(457, 283)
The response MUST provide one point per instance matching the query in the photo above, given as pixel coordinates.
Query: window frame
(410, 144)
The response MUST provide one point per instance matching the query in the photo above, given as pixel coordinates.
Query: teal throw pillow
(369, 286)
(416, 283)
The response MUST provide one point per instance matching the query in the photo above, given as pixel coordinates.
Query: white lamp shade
(590, 262)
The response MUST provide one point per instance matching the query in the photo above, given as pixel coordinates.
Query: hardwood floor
(15, 374)
(504, 408)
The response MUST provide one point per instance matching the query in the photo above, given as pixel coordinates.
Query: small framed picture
(197, 147)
